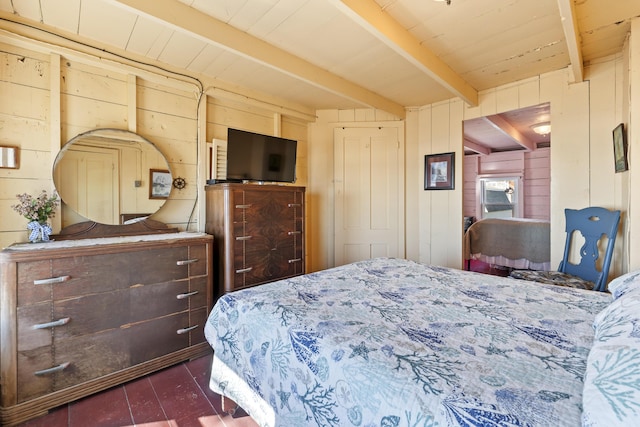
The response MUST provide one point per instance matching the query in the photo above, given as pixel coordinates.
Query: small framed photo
(439, 171)
(620, 148)
(159, 183)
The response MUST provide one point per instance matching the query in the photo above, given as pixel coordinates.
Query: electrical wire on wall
(179, 76)
(200, 96)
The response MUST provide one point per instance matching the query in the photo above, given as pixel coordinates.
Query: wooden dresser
(81, 316)
(259, 233)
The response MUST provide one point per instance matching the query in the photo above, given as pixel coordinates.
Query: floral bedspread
(390, 342)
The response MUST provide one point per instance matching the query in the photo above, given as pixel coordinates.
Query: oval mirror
(110, 176)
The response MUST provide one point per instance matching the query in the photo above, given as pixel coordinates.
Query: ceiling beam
(572, 36)
(503, 126)
(369, 15)
(189, 20)
(475, 147)
(19, 31)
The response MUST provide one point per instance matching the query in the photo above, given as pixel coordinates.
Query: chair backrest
(593, 223)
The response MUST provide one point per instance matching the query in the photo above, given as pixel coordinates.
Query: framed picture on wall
(159, 183)
(439, 171)
(620, 148)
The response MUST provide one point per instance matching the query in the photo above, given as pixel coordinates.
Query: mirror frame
(136, 224)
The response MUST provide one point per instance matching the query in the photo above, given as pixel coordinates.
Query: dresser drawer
(123, 270)
(271, 242)
(265, 209)
(93, 313)
(90, 313)
(168, 298)
(198, 257)
(29, 362)
(263, 268)
(198, 317)
(90, 356)
(198, 292)
(69, 362)
(158, 337)
(29, 272)
(31, 321)
(75, 276)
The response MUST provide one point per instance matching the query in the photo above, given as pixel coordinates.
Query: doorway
(514, 145)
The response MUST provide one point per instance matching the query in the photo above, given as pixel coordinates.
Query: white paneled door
(369, 202)
(90, 183)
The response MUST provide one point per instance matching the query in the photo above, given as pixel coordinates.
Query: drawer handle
(243, 237)
(291, 261)
(51, 280)
(186, 261)
(291, 233)
(243, 206)
(244, 270)
(295, 205)
(53, 324)
(53, 370)
(185, 330)
(186, 295)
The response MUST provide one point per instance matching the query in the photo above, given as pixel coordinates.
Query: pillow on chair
(554, 278)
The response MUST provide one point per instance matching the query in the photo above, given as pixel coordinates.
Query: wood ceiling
(327, 54)
(508, 131)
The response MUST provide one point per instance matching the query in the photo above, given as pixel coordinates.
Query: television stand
(258, 233)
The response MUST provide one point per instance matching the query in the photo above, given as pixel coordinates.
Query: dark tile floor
(178, 396)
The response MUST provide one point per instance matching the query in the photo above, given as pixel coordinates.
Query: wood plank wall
(24, 123)
(37, 108)
(537, 184)
(533, 166)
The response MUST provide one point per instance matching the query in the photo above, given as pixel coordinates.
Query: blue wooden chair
(593, 223)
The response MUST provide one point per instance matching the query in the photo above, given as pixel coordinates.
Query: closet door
(369, 194)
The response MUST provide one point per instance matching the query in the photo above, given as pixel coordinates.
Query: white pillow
(611, 394)
(620, 285)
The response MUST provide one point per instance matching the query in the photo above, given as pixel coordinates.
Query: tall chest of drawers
(83, 316)
(259, 233)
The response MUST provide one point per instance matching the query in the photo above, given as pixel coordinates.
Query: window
(500, 197)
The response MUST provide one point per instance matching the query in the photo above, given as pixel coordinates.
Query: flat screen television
(256, 157)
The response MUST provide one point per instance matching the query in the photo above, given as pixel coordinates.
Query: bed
(520, 243)
(390, 342)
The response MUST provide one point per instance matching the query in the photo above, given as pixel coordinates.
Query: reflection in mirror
(103, 176)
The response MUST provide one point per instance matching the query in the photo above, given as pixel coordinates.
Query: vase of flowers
(37, 210)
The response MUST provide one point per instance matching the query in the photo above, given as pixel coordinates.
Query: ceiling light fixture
(448, 1)
(542, 128)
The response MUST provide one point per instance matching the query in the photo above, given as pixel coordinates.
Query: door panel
(90, 183)
(368, 194)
